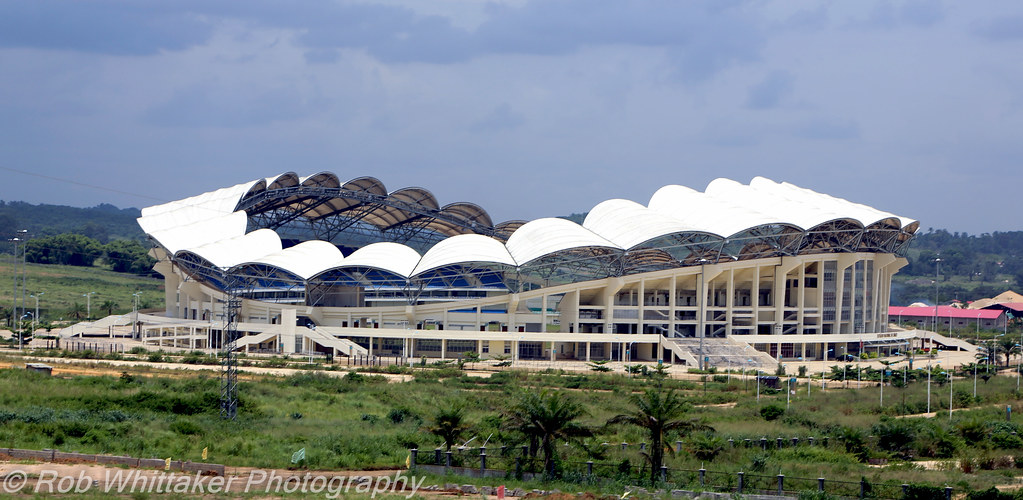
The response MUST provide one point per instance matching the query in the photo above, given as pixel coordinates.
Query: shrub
(155, 357)
(772, 412)
(991, 493)
(706, 446)
(186, 427)
(923, 492)
(402, 414)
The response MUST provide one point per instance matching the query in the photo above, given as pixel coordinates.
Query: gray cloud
(702, 37)
(827, 130)
(205, 107)
(102, 26)
(1003, 29)
(770, 92)
(501, 118)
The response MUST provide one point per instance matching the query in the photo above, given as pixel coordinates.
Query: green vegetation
(360, 421)
(103, 222)
(63, 288)
(972, 267)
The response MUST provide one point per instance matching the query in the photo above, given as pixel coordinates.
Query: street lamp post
(975, 375)
(135, 314)
(36, 315)
(88, 304)
(824, 368)
(937, 267)
(788, 393)
(928, 385)
(702, 308)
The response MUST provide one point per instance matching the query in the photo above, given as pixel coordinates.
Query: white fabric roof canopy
(207, 226)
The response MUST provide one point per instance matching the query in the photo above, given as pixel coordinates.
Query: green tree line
(104, 222)
(123, 256)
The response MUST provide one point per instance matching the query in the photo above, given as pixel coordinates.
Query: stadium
(738, 274)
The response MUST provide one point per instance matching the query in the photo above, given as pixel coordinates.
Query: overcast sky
(528, 108)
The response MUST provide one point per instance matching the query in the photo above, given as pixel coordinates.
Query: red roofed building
(947, 317)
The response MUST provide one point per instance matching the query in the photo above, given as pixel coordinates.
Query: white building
(348, 268)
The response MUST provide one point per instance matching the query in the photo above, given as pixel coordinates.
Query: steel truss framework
(363, 215)
(567, 266)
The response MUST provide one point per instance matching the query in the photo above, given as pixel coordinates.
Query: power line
(83, 184)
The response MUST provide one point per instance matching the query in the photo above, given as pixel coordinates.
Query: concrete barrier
(41, 455)
(117, 460)
(204, 469)
(152, 463)
(60, 456)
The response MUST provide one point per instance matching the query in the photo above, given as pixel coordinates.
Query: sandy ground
(45, 478)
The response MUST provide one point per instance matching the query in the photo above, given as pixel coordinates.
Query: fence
(516, 462)
(97, 347)
(155, 463)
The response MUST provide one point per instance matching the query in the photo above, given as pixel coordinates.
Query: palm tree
(449, 424)
(76, 311)
(659, 412)
(1008, 347)
(545, 417)
(108, 306)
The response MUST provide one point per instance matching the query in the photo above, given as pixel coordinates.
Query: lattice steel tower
(228, 360)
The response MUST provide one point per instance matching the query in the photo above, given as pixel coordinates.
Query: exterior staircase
(719, 352)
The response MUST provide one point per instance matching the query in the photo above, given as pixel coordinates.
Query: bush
(155, 357)
(923, 492)
(991, 493)
(772, 412)
(186, 427)
(402, 414)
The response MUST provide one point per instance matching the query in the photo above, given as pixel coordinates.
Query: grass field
(360, 421)
(62, 286)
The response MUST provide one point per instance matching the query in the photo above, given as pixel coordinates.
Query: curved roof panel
(707, 213)
(304, 260)
(543, 237)
(627, 223)
(795, 210)
(393, 257)
(322, 179)
(230, 252)
(205, 231)
(285, 180)
(464, 248)
(221, 201)
(370, 185)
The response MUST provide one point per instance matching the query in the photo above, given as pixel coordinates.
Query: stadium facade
(350, 268)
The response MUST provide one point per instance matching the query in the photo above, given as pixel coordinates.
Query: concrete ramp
(721, 353)
(945, 342)
(99, 328)
(343, 346)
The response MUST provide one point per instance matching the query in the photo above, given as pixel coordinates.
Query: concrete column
(587, 351)
(288, 318)
(729, 301)
(801, 298)
(543, 314)
(443, 348)
(672, 292)
(370, 345)
(641, 305)
(170, 282)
